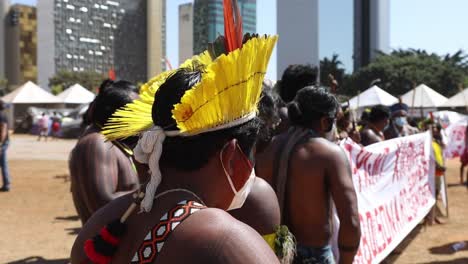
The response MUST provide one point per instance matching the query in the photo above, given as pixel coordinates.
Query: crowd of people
(283, 167)
(49, 126)
(209, 163)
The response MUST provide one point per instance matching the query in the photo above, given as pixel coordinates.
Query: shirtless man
(295, 77)
(377, 122)
(347, 127)
(314, 172)
(207, 173)
(101, 170)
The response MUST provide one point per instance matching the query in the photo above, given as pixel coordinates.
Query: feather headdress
(227, 95)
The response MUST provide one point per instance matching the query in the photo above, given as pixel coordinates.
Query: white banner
(393, 185)
(455, 142)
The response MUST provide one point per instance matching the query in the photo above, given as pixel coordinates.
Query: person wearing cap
(399, 126)
(197, 128)
(4, 142)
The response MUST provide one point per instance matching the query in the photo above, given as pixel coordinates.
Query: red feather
(232, 25)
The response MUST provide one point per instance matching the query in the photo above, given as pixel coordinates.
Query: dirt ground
(38, 222)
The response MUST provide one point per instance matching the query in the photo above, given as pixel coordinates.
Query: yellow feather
(136, 117)
(230, 88)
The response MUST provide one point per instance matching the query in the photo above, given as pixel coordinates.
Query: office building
(100, 36)
(156, 37)
(371, 30)
(185, 32)
(208, 21)
(4, 7)
(298, 28)
(21, 45)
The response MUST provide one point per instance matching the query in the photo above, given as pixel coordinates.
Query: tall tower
(298, 28)
(46, 42)
(4, 6)
(21, 44)
(185, 32)
(156, 36)
(371, 30)
(209, 18)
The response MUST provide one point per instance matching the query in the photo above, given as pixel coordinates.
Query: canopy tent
(29, 94)
(372, 96)
(76, 94)
(423, 97)
(447, 118)
(458, 100)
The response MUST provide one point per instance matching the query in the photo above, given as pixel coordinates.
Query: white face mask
(239, 196)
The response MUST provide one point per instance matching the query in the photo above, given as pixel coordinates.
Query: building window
(112, 3)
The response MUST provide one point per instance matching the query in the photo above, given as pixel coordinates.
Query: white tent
(424, 97)
(372, 96)
(76, 94)
(449, 117)
(458, 100)
(30, 93)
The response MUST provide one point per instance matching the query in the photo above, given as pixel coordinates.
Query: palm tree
(331, 67)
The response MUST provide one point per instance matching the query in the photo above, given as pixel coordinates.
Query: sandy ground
(38, 222)
(432, 244)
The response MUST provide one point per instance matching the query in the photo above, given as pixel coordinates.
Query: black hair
(2, 105)
(192, 153)
(294, 78)
(269, 116)
(379, 113)
(112, 96)
(311, 104)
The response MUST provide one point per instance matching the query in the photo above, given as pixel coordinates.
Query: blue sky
(434, 25)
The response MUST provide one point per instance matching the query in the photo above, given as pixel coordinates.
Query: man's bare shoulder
(100, 218)
(316, 149)
(213, 223)
(261, 210)
(93, 140)
(368, 132)
(225, 239)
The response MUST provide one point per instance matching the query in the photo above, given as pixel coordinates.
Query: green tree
(88, 79)
(56, 89)
(3, 86)
(331, 67)
(398, 71)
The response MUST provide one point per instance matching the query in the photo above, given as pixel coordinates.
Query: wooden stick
(137, 199)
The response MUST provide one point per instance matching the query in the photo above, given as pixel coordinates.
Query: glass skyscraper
(208, 21)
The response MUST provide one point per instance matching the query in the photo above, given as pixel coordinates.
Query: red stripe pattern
(153, 243)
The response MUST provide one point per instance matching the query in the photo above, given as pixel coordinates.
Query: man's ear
(323, 123)
(227, 155)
